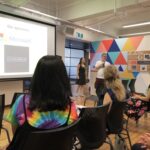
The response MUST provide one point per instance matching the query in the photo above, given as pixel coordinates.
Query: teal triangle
(120, 68)
(109, 59)
(114, 47)
(95, 45)
(113, 56)
(135, 74)
(121, 42)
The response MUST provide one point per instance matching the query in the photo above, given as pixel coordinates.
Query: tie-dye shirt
(44, 120)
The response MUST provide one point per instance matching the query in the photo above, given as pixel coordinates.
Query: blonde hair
(112, 80)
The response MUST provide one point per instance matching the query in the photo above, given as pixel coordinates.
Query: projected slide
(16, 59)
(22, 44)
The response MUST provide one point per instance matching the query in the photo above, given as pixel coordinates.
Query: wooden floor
(134, 130)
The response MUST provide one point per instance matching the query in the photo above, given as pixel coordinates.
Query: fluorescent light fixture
(134, 34)
(136, 25)
(94, 29)
(38, 12)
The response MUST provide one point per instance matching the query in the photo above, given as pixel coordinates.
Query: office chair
(91, 131)
(16, 95)
(53, 139)
(2, 106)
(116, 123)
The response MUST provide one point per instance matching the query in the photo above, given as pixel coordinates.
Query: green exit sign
(79, 35)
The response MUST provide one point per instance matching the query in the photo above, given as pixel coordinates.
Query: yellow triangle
(128, 46)
(126, 75)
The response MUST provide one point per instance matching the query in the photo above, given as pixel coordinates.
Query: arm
(99, 65)
(144, 98)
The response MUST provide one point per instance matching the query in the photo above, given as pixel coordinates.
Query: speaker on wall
(68, 30)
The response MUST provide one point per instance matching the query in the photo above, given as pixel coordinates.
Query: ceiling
(108, 16)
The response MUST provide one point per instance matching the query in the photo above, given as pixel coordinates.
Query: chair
(54, 139)
(2, 105)
(93, 98)
(91, 131)
(116, 123)
(16, 95)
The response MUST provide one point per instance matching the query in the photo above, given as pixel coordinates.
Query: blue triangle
(92, 48)
(120, 68)
(135, 74)
(109, 59)
(94, 45)
(114, 47)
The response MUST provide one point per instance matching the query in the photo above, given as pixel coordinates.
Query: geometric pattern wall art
(117, 52)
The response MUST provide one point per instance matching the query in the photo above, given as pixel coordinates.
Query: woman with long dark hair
(81, 77)
(48, 104)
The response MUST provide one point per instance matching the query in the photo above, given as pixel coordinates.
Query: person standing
(99, 83)
(81, 77)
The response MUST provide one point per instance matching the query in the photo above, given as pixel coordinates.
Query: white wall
(9, 88)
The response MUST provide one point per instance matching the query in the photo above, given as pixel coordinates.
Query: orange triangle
(107, 43)
(128, 46)
(136, 41)
(120, 60)
(101, 48)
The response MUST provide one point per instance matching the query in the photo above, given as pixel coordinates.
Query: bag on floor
(120, 143)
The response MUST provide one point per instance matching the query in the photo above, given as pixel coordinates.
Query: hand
(102, 65)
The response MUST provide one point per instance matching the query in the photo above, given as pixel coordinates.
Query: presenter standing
(81, 77)
(99, 83)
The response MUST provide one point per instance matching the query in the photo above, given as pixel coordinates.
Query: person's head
(82, 60)
(111, 76)
(104, 56)
(50, 85)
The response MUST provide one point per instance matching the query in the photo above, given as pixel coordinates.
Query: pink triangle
(91, 56)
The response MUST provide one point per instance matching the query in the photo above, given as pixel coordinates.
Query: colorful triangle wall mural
(117, 51)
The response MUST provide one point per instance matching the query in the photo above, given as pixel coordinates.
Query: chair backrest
(54, 139)
(16, 95)
(2, 105)
(115, 117)
(92, 127)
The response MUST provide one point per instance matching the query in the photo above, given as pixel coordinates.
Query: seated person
(143, 143)
(137, 105)
(48, 105)
(115, 90)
